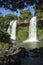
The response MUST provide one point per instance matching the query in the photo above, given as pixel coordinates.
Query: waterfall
(32, 30)
(12, 30)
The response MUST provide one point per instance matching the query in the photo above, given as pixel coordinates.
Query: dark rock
(23, 52)
(34, 52)
(15, 59)
(41, 51)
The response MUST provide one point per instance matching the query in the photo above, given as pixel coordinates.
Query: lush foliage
(25, 14)
(39, 14)
(4, 23)
(40, 34)
(4, 45)
(20, 4)
(23, 33)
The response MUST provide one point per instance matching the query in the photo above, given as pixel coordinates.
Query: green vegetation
(4, 23)
(25, 14)
(20, 4)
(40, 34)
(23, 33)
(39, 14)
(4, 45)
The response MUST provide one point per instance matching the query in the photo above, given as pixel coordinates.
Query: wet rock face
(16, 58)
(37, 52)
(34, 52)
(10, 60)
(41, 51)
(23, 52)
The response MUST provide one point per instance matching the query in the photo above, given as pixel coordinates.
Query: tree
(20, 4)
(8, 18)
(25, 14)
(4, 36)
(4, 23)
(1, 22)
(39, 14)
(40, 5)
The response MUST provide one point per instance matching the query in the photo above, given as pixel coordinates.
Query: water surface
(31, 45)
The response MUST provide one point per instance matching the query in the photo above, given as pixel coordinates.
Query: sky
(7, 11)
(31, 9)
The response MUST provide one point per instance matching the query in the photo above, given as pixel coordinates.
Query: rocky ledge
(15, 58)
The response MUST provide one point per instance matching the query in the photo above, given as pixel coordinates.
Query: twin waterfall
(12, 30)
(32, 30)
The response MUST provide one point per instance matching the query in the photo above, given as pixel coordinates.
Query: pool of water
(32, 61)
(31, 45)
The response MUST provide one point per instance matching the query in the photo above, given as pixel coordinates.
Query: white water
(12, 30)
(32, 31)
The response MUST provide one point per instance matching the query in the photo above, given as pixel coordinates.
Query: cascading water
(12, 30)
(32, 31)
